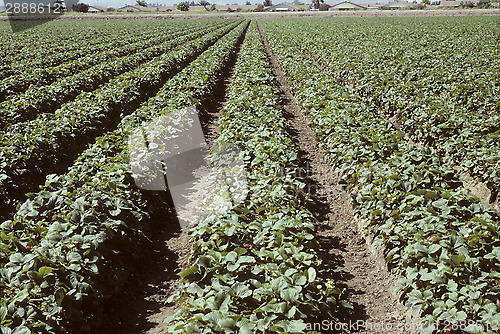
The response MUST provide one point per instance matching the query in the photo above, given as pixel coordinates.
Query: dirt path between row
(360, 268)
(142, 307)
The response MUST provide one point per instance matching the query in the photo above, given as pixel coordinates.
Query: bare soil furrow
(142, 308)
(362, 269)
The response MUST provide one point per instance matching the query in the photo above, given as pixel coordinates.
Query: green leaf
(44, 271)
(240, 251)
(3, 312)
(245, 326)
(430, 194)
(21, 330)
(227, 323)
(204, 261)
(291, 294)
(311, 274)
(231, 256)
(233, 267)
(277, 308)
(59, 296)
(434, 248)
(190, 271)
(241, 290)
(461, 315)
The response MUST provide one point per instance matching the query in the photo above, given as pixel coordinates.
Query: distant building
(371, 5)
(96, 9)
(135, 8)
(449, 4)
(286, 7)
(229, 8)
(347, 5)
(166, 9)
(399, 5)
(456, 4)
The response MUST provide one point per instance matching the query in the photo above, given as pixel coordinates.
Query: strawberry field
(400, 110)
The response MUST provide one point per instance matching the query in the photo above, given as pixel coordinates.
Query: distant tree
(268, 3)
(110, 9)
(426, 2)
(467, 4)
(141, 3)
(204, 3)
(80, 7)
(259, 8)
(247, 3)
(484, 4)
(324, 7)
(317, 3)
(183, 6)
(192, 3)
(229, 10)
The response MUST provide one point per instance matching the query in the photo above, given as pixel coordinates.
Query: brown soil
(477, 188)
(142, 307)
(362, 269)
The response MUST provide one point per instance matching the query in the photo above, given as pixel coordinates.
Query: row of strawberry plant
(257, 268)
(441, 240)
(40, 37)
(20, 71)
(71, 245)
(391, 59)
(54, 43)
(39, 77)
(453, 108)
(31, 150)
(46, 99)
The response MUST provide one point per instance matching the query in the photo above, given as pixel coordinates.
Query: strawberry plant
(70, 245)
(257, 268)
(443, 88)
(51, 45)
(440, 239)
(48, 98)
(90, 68)
(32, 149)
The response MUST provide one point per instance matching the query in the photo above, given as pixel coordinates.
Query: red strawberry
(246, 245)
(433, 238)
